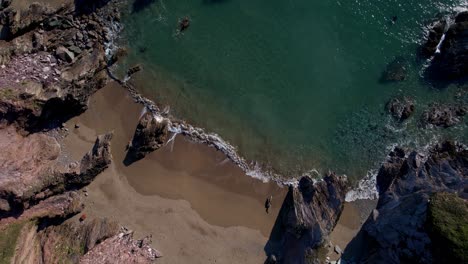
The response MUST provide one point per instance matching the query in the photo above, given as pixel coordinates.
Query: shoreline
(183, 187)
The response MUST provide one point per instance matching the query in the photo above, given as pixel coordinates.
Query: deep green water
(294, 84)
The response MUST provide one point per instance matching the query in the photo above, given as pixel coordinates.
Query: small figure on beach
(184, 24)
(268, 203)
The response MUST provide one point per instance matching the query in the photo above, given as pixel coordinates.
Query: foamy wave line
(199, 135)
(366, 189)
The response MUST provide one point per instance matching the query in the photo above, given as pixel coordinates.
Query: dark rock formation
(452, 60)
(444, 115)
(150, 135)
(400, 108)
(397, 230)
(308, 215)
(395, 71)
(436, 31)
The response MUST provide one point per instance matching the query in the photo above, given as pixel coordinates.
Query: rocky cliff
(309, 213)
(406, 227)
(52, 59)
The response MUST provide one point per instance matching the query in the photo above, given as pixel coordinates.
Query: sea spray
(366, 188)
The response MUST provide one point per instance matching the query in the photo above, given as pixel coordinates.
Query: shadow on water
(140, 5)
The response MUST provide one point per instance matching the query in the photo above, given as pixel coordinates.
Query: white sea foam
(440, 44)
(366, 189)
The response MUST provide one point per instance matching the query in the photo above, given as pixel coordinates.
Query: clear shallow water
(293, 84)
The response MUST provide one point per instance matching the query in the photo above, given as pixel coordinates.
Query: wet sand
(199, 207)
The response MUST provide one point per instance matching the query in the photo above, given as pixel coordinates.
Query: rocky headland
(52, 59)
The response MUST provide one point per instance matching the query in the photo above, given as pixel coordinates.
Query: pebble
(46, 69)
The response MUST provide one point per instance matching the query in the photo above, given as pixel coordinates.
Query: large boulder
(150, 134)
(400, 108)
(309, 213)
(397, 230)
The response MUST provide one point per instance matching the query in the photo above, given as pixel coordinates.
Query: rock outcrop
(52, 60)
(444, 115)
(451, 59)
(122, 248)
(150, 134)
(397, 231)
(308, 215)
(43, 175)
(400, 108)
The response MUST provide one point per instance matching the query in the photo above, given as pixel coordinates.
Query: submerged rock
(308, 215)
(400, 108)
(395, 71)
(150, 135)
(397, 231)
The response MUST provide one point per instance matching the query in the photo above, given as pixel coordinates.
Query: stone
(150, 134)
(338, 250)
(444, 115)
(64, 54)
(397, 231)
(309, 213)
(75, 49)
(400, 108)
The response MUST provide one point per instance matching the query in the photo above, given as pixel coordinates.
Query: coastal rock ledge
(421, 215)
(309, 213)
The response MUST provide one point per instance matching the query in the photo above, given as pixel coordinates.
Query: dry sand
(199, 207)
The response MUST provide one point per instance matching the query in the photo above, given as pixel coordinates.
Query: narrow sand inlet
(199, 207)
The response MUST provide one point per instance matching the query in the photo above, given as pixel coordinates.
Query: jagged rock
(133, 70)
(24, 181)
(436, 30)
(72, 239)
(398, 232)
(444, 115)
(150, 134)
(58, 206)
(395, 71)
(122, 248)
(308, 215)
(452, 60)
(64, 54)
(400, 108)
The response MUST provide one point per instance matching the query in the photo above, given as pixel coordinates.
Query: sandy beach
(199, 207)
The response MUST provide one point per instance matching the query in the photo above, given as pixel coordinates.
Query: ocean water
(293, 84)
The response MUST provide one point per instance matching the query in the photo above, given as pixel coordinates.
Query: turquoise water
(294, 85)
